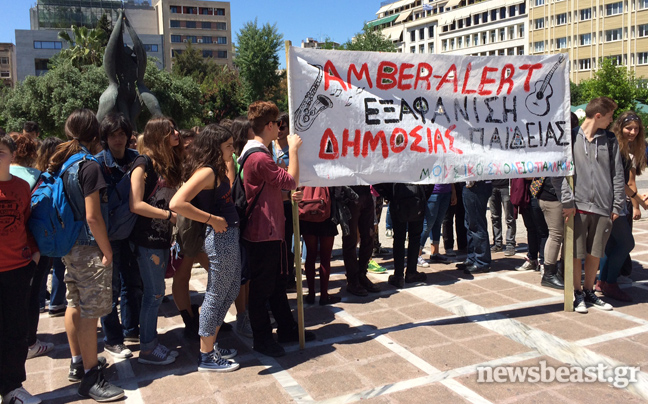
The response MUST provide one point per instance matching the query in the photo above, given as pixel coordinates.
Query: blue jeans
(617, 250)
(475, 200)
(127, 292)
(152, 265)
(57, 297)
(435, 211)
(388, 219)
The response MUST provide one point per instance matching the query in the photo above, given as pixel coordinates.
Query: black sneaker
(592, 300)
(415, 277)
(579, 302)
(269, 348)
(76, 369)
(293, 336)
(396, 281)
(94, 385)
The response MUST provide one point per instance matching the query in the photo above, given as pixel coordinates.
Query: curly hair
(46, 151)
(26, 149)
(206, 151)
(638, 146)
(167, 160)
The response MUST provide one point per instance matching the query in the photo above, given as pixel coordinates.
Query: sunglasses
(630, 118)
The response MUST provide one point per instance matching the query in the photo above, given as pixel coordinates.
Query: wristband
(169, 217)
(208, 219)
(633, 195)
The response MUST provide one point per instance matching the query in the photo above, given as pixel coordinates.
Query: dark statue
(125, 67)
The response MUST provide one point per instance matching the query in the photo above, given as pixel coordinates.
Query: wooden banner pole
(296, 231)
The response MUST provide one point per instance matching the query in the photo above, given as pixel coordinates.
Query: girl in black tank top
(206, 197)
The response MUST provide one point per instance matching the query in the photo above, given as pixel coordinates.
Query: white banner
(369, 117)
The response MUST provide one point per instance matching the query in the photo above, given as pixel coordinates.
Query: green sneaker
(374, 268)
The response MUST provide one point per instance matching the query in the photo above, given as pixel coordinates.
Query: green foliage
(616, 82)
(258, 60)
(179, 97)
(221, 95)
(576, 94)
(369, 40)
(190, 63)
(86, 46)
(104, 25)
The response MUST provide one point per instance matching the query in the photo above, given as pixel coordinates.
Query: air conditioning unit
(184, 40)
(200, 41)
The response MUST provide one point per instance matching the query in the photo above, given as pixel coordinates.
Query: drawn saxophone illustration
(312, 104)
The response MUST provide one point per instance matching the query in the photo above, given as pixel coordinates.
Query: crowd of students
(224, 193)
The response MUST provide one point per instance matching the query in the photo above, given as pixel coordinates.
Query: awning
(404, 16)
(382, 21)
(452, 3)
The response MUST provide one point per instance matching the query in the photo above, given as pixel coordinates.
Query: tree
(369, 40)
(104, 25)
(576, 93)
(616, 82)
(190, 63)
(221, 95)
(85, 46)
(258, 60)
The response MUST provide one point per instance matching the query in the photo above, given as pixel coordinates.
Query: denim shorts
(88, 281)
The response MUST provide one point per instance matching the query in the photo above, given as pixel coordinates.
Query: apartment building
(312, 43)
(590, 30)
(206, 24)
(7, 64)
(464, 27)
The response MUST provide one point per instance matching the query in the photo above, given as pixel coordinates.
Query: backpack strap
(243, 160)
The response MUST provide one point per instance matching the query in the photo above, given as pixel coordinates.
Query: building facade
(7, 64)
(465, 27)
(206, 24)
(589, 30)
(312, 43)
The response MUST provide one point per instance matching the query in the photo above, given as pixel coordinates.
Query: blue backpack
(52, 221)
(120, 221)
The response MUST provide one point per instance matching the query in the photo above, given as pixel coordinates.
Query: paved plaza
(421, 344)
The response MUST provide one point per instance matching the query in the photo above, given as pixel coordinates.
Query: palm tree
(85, 46)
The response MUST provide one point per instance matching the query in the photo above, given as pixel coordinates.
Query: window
(207, 39)
(221, 26)
(176, 38)
(191, 10)
(493, 15)
(485, 16)
(412, 49)
(151, 48)
(460, 42)
(421, 34)
(208, 54)
(204, 11)
(522, 8)
(493, 35)
(502, 13)
(205, 25)
(475, 39)
(586, 14)
(521, 31)
(616, 59)
(539, 3)
(502, 34)
(538, 46)
(584, 64)
(561, 19)
(431, 31)
(643, 30)
(220, 11)
(444, 45)
(431, 47)
(174, 9)
(192, 39)
(510, 51)
(585, 39)
(4, 61)
(175, 52)
(421, 48)
(460, 23)
(452, 43)
(483, 38)
(643, 4)
(191, 24)
(520, 50)
(48, 44)
(613, 35)
(614, 8)
(221, 40)
(175, 23)
(476, 19)
(511, 33)
(561, 43)
(412, 36)
(539, 23)
(642, 58)
(221, 54)
(5, 75)
(512, 11)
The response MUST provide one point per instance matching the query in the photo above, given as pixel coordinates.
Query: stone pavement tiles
(416, 345)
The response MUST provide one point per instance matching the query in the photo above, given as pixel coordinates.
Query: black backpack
(408, 202)
(238, 192)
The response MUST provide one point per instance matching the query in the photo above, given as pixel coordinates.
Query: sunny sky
(296, 20)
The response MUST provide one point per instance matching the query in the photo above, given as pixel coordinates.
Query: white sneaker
(39, 348)
(422, 262)
(20, 396)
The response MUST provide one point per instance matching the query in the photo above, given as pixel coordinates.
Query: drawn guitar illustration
(538, 101)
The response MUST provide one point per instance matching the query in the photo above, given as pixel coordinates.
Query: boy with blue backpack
(88, 261)
(115, 160)
(19, 253)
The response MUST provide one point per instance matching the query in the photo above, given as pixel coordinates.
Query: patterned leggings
(224, 279)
